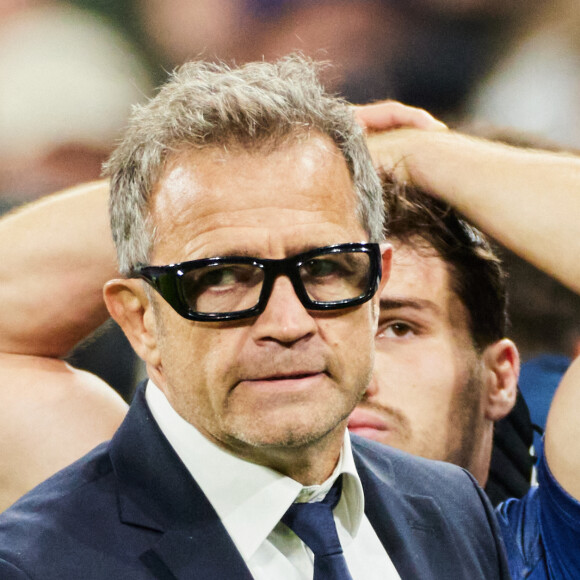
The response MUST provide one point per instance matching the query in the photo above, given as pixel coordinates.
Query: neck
(479, 466)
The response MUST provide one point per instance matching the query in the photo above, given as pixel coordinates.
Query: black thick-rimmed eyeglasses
(236, 287)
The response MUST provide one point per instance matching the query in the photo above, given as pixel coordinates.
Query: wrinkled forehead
(305, 150)
(303, 186)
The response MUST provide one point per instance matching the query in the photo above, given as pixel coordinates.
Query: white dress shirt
(251, 499)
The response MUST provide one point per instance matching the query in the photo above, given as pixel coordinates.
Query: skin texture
(276, 389)
(432, 393)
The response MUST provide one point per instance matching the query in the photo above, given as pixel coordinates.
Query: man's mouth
(295, 380)
(287, 376)
(369, 424)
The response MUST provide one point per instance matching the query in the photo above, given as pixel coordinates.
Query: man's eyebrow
(395, 302)
(239, 253)
(245, 253)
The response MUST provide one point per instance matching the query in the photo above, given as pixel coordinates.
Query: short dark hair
(424, 223)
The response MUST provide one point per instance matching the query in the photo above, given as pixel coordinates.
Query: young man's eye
(394, 330)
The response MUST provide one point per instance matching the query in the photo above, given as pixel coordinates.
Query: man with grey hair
(247, 218)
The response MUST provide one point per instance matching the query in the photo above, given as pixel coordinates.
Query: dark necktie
(314, 524)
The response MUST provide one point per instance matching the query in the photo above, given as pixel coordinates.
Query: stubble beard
(465, 417)
(300, 431)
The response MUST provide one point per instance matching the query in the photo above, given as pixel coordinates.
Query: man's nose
(284, 319)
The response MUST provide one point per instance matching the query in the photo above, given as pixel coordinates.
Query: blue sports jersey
(542, 531)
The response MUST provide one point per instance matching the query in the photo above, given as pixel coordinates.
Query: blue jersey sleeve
(559, 526)
(541, 531)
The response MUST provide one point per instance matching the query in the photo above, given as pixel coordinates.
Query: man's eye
(226, 276)
(318, 268)
(218, 277)
(394, 330)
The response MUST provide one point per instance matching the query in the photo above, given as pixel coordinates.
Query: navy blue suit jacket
(130, 510)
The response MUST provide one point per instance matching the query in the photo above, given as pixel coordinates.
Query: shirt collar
(250, 499)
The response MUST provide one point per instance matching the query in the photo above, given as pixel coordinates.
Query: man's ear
(502, 369)
(130, 307)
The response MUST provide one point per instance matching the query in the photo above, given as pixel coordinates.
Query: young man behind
(445, 374)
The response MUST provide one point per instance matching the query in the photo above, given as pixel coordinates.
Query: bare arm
(563, 432)
(50, 415)
(55, 256)
(528, 200)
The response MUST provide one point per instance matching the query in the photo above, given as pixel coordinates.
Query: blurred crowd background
(70, 70)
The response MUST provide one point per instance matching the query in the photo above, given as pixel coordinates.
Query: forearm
(528, 200)
(55, 256)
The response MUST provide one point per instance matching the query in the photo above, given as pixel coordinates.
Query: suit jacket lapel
(199, 555)
(387, 517)
(157, 492)
(411, 527)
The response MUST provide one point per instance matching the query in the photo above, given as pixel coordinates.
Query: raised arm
(55, 256)
(528, 200)
(562, 437)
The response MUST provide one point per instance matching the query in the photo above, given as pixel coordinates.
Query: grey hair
(212, 104)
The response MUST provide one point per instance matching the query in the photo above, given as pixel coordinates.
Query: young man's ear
(502, 368)
(129, 306)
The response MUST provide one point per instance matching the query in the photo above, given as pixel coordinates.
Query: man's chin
(287, 435)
